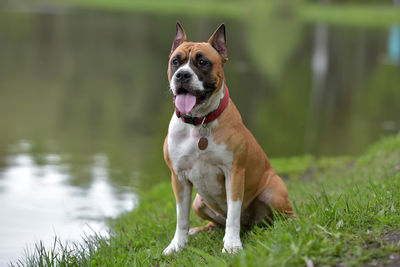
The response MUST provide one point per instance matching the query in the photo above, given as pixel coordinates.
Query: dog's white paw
(174, 246)
(232, 247)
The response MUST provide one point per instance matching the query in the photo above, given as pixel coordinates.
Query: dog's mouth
(185, 99)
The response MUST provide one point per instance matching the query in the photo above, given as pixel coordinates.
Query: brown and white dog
(209, 148)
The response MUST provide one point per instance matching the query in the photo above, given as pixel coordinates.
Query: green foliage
(348, 12)
(342, 213)
(353, 1)
(361, 15)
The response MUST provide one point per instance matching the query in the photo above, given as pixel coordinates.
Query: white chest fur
(200, 167)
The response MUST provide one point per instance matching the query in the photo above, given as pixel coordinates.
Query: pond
(85, 106)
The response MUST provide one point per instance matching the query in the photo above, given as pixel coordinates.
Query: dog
(209, 148)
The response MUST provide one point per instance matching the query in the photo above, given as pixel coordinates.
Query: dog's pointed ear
(180, 37)
(218, 41)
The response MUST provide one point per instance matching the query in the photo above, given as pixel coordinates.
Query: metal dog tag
(203, 143)
(203, 132)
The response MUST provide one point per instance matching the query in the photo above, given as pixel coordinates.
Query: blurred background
(84, 101)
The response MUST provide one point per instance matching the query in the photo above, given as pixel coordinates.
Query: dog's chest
(203, 168)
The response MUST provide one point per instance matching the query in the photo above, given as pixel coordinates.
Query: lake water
(84, 106)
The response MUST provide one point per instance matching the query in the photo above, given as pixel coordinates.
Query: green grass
(344, 207)
(356, 15)
(158, 7)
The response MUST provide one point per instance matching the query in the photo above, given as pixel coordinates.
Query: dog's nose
(183, 76)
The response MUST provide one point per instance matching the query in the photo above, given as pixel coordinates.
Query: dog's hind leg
(273, 198)
(277, 197)
(204, 212)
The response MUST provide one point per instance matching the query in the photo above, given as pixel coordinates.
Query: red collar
(210, 116)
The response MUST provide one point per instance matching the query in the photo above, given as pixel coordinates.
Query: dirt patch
(392, 239)
(393, 260)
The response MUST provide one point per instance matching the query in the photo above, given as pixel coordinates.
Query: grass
(356, 15)
(157, 7)
(345, 207)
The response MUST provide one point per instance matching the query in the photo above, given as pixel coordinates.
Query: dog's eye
(202, 62)
(175, 62)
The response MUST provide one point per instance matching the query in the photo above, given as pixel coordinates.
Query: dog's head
(195, 72)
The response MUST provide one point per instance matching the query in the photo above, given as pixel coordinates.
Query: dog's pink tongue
(185, 102)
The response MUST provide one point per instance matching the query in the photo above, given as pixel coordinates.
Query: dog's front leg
(234, 184)
(183, 195)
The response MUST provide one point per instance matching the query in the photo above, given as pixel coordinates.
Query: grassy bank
(361, 14)
(354, 15)
(348, 213)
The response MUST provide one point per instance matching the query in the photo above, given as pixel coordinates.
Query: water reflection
(37, 202)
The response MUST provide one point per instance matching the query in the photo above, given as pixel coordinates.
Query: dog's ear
(218, 41)
(180, 37)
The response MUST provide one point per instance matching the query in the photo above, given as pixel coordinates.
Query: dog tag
(203, 143)
(204, 132)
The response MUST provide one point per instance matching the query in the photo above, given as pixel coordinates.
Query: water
(37, 203)
(84, 106)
